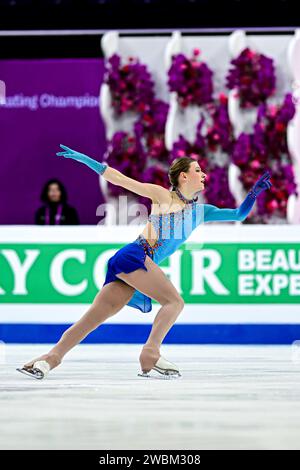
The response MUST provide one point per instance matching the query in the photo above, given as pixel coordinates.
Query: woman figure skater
(133, 276)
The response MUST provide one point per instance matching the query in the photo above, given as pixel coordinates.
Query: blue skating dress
(173, 229)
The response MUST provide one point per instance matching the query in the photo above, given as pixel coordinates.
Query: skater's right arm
(153, 191)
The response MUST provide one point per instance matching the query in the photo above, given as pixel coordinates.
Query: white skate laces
(165, 368)
(39, 370)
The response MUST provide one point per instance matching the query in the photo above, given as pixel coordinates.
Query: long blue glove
(214, 214)
(80, 157)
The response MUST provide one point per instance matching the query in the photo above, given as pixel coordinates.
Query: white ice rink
(229, 397)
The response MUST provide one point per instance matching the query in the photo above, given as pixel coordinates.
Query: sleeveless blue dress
(172, 230)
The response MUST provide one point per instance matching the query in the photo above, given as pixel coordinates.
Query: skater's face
(54, 193)
(194, 178)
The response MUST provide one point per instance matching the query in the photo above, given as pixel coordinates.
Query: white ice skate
(39, 370)
(164, 367)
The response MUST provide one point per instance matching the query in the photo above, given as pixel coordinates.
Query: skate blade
(35, 373)
(157, 373)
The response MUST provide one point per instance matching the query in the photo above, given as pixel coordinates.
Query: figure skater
(133, 276)
(55, 210)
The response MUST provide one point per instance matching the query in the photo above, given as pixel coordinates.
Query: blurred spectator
(55, 210)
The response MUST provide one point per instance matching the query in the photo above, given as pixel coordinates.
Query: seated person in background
(55, 210)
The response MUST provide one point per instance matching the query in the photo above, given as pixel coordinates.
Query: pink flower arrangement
(143, 155)
(130, 84)
(125, 153)
(196, 150)
(217, 190)
(253, 76)
(266, 149)
(132, 90)
(151, 128)
(219, 136)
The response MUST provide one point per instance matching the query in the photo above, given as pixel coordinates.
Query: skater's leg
(155, 284)
(110, 300)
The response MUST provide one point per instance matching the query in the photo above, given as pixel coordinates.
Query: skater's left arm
(214, 214)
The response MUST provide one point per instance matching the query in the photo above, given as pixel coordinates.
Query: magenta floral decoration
(266, 149)
(151, 128)
(125, 153)
(217, 190)
(132, 89)
(155, 174)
